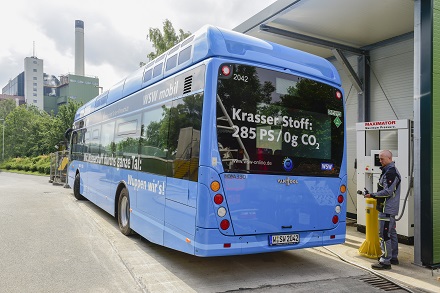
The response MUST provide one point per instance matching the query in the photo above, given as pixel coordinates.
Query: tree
(20, 130)
(32, 132)
(6, 107)
(65, 117)
(162, 41)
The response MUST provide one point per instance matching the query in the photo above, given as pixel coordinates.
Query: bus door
(183, 167)
(95, 169)
(105, 180)
(182, 164)
(152, 166)
(77, 158)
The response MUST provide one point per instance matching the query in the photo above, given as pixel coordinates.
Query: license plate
(283, 239)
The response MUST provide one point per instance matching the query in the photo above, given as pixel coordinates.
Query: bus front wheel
(124, 212)
(76, 185)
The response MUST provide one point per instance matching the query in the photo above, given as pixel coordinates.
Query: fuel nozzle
(360, 192)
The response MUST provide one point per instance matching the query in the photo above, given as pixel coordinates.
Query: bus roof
(208, 42)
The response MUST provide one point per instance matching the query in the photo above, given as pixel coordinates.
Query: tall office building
(15, 87)
(33, 81)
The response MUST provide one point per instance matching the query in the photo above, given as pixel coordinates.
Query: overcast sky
(114, 31)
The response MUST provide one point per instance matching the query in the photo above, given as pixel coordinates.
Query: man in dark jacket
(388, 199)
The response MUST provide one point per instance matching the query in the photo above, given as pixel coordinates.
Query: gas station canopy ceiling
(317, 26)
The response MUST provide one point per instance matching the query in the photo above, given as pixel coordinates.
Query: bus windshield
(270, 122)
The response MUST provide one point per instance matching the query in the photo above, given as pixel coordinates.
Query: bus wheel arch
(122, 209)
(77, 187)
(117, 194)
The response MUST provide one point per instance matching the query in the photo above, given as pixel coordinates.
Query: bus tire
(124, 212)
(76, 186)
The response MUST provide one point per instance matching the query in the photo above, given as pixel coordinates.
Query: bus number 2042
(241, 77)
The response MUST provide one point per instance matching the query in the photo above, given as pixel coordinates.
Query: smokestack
(79, 47)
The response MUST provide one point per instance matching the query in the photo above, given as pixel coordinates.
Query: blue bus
(223, 145)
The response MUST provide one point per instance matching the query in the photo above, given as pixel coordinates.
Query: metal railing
(58, 167)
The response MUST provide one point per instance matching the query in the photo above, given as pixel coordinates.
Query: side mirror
(68, 133)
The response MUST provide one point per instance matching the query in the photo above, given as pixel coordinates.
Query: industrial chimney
(79, 47)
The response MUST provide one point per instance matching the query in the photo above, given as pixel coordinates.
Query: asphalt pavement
(50, 242)
(48, 245)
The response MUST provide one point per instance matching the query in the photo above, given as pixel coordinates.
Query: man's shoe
(394, 261)
(381, 266)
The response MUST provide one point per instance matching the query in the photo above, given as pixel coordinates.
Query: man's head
(385, 157)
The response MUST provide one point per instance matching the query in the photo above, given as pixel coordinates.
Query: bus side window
(184, 137)
(107, 146)
(78, 144)
(171, 62)
(147, 75)
(153, 142)
(157, 70)
(94, 141)
(184, 55)
(74, 145)
(74, 139)
(127, 135)
(86, 140)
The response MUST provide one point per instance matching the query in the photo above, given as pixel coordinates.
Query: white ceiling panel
(354, 23)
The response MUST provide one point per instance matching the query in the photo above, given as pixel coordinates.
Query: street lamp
(3, 140)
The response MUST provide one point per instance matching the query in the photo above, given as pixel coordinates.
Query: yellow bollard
(371, 246)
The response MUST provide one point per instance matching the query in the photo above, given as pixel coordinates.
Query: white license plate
(283, 239)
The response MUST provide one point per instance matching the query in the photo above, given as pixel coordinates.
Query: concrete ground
(406, 273)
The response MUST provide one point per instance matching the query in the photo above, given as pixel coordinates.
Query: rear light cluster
(221, 210)
(338, 208)
(338, 95)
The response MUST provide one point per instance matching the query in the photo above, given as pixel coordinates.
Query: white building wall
(391, 77)
(33, 82)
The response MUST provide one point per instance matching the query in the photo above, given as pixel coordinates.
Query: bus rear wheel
(76, 186)
(124, 212)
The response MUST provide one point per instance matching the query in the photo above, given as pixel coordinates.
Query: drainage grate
(380, 283)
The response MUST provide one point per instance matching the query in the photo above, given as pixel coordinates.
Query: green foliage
(162, 41)
(30, 132)
(6, 106)
(66, 114)
(40, 164)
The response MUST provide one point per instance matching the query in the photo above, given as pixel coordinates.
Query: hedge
(40, 164)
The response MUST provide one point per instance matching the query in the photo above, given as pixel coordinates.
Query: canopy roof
(316, 26)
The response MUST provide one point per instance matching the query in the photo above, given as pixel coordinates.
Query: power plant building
(47, 92)
(79, 47)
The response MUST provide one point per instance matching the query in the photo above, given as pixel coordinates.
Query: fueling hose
(411, 181)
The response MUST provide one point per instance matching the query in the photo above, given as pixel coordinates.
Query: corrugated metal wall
(392, 82)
